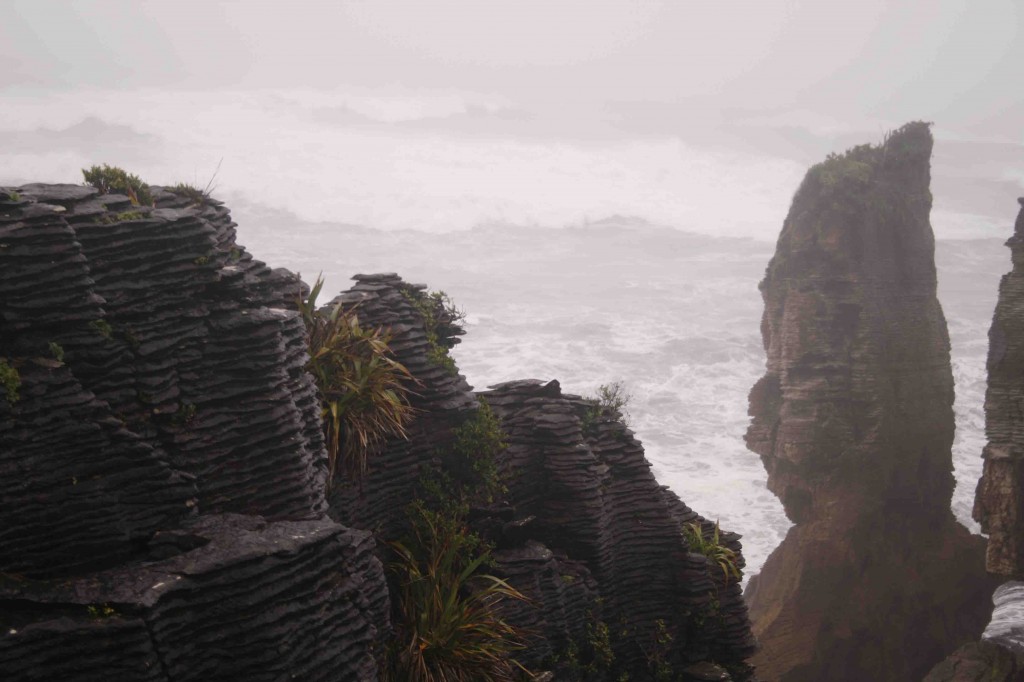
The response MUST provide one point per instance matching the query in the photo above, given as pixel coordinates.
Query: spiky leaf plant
(447, 617)
(363, 389)
(713, 549)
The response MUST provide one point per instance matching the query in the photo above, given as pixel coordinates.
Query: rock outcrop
(161, 460)
(584, 529)
(999, 502)
(854, 423)
(163, 472)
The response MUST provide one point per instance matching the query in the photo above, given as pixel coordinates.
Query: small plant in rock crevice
(10, 380)
(114, 218)
(363, 389)
(102, 327)
(56, 350)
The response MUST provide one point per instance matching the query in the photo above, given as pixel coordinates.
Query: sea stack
(999, 504)
(853, 420)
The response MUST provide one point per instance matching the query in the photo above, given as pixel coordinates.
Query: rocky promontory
(167, 513)
(853, 420)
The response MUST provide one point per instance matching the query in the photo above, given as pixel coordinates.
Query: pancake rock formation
(166, 514)
(853, 421)
(162, 464)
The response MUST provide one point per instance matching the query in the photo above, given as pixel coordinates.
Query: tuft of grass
(10, 380)
(713, 549)
(109, 179)
(11, 196)
(198, 197)
(57, 351)
(447, 614)
(363, 389)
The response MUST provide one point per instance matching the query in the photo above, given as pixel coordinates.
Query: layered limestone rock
(162, 456)
(854, 423)
(584, 529)
(161, 459)
(999, 503)
(580, 479)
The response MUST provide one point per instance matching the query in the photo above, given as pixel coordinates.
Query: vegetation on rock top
(109, 179)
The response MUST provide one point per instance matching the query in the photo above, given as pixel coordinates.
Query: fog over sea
(588, 254)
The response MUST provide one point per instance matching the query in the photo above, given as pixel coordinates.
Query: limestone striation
(999, 503)
(162, 464)
(854, 423)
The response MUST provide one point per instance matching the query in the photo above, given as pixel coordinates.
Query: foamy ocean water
(554, 289)
(675, 316)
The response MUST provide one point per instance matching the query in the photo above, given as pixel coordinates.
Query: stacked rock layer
(164, 473)
(584, 529)
(999, 504)
(854, 423)
(161, 459)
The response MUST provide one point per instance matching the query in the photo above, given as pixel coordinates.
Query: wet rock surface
(854, 423)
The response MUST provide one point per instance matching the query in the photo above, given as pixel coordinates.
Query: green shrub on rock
(109, 179)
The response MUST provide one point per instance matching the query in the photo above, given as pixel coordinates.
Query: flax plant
(363, 389)
(447, 617)
(713, 549)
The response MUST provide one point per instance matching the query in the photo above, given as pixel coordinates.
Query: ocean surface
(674, 316)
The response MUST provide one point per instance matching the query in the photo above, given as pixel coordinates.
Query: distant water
(674, 316)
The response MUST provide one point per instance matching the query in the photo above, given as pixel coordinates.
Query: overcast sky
(446, 113)
(955, 61)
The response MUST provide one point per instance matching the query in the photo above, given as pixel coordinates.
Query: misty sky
(725, 85)
(955, 61)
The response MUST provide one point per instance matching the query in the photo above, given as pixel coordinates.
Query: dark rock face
(584, 530)
(854, 423)
(163, 471)
(161, 460)
(999, 502)
(614, 532)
